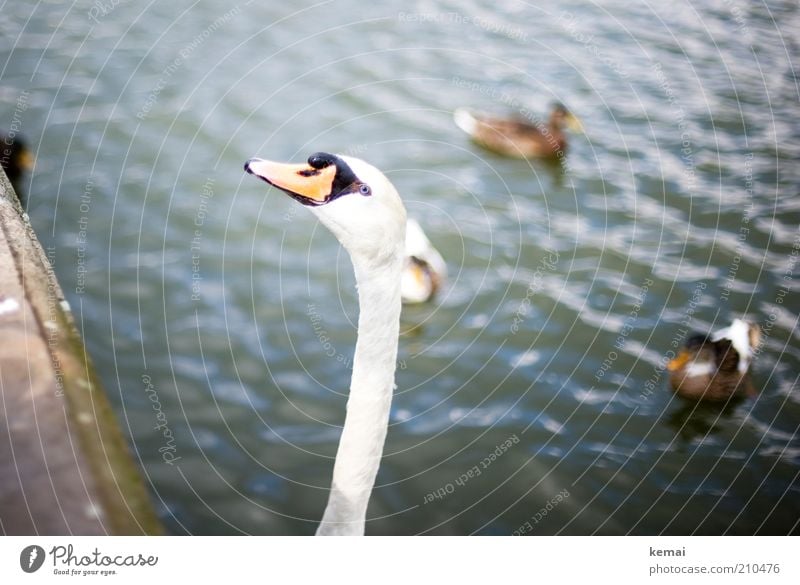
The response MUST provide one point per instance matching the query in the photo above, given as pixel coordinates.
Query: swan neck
(371, 387)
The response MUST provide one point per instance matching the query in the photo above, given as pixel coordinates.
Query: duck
(716, 367)
(520, 138)
(16, 159)
(424, 269)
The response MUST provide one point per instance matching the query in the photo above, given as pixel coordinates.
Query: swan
(519, 138)
(362, 209)
(424, 268)
(714, 368)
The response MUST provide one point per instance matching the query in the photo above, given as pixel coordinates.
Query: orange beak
(26, 160)
(308, 185)
(678, 362)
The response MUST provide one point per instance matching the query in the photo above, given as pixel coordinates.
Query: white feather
(700, 369)
(739, 335)
(8, 305)
(419, 283)
(418, 244)
(465, 120)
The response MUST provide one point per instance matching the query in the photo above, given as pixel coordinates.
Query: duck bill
(304, 183)
(574, 124)
(678, 362)
(26, 160)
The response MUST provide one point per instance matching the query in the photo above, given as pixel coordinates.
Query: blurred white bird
(424, 269)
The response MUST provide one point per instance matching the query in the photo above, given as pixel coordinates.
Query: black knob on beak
(320, 160)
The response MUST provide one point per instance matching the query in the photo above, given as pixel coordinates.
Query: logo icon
(31, 558)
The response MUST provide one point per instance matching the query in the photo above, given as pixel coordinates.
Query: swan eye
(365, 190)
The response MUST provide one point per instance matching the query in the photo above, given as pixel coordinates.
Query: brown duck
(519, 138)
(717, 367)
(16, 159)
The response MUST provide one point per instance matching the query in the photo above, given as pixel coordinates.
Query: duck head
(696, 357)
(561, 117)
(15, 157)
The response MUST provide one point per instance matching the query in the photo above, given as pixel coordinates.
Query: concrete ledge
(65, 467)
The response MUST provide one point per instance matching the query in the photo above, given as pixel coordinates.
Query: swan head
(353, 199)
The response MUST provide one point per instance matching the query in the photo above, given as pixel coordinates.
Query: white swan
(424, 267)
(363, 210)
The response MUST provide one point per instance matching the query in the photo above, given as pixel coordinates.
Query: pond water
(221, 315)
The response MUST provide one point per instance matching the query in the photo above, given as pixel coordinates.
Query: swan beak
(574, 124)
(308, 185)
(678, 362)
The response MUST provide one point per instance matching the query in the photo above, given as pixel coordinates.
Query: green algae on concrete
(65, 467)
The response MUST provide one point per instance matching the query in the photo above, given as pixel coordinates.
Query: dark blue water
(532, 394)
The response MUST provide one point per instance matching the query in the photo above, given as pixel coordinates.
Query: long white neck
(371, 388)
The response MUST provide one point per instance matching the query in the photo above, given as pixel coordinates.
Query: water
(195, 286)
